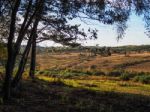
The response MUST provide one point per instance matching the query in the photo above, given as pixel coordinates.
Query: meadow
(75, 82)
(117, 73)
(135, 62)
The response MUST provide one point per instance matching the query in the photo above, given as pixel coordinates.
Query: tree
(33, 58)
(14, 47)
(39, 20)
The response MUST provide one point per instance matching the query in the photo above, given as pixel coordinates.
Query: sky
(135, 34)
(107, 34)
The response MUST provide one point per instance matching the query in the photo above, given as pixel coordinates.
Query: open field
(133, 62)
(70, 82)
(117, 73)
(74, 56)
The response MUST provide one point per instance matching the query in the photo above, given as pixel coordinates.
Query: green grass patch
(145, 79)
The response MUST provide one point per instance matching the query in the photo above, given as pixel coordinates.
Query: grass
(128, 64)
(57, 95)
(74, 83)
(80, 91)
(105, 85)
(120, 75)
(134, 63)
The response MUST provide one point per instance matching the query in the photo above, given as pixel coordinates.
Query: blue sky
(107, 34)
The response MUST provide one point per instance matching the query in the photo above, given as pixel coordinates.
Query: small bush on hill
(115, 73)
(125, 76)
(98, 73)
(145, 79)
(92, 67)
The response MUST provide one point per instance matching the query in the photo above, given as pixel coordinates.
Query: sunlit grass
(105, 85)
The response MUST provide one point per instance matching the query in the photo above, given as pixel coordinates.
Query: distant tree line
(96, 50)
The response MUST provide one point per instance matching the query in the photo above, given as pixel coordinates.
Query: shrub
(88, 73)
(98, 73)
(145, 79)
(41, 72)
(115, 73)
(125, 76)
(93, 67)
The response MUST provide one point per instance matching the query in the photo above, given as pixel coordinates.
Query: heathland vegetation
(73, 78)
(78, 81)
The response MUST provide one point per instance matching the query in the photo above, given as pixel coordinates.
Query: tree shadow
(42, 96)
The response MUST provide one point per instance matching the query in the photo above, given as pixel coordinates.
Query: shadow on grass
(42, 96)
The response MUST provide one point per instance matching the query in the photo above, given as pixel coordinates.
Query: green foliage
(125, 76)
(122, 75)
(98, 49)
(69, 73)
(138, 49)
(145, 79)
(88, 73)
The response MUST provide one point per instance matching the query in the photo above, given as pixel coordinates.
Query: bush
(88, 73)
(115, 73)
(98, 73)
(92, 67)
(41, 72)
(125, 76)
(70, 73)
(145, 79)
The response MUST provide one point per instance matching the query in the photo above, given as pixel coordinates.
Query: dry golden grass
(135, 62)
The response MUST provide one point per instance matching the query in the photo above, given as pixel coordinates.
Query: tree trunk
(26, 23)
(8, 76)
(9, 66)
(26, 52)
(33, 54)
(22, 64)
(33, 58)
